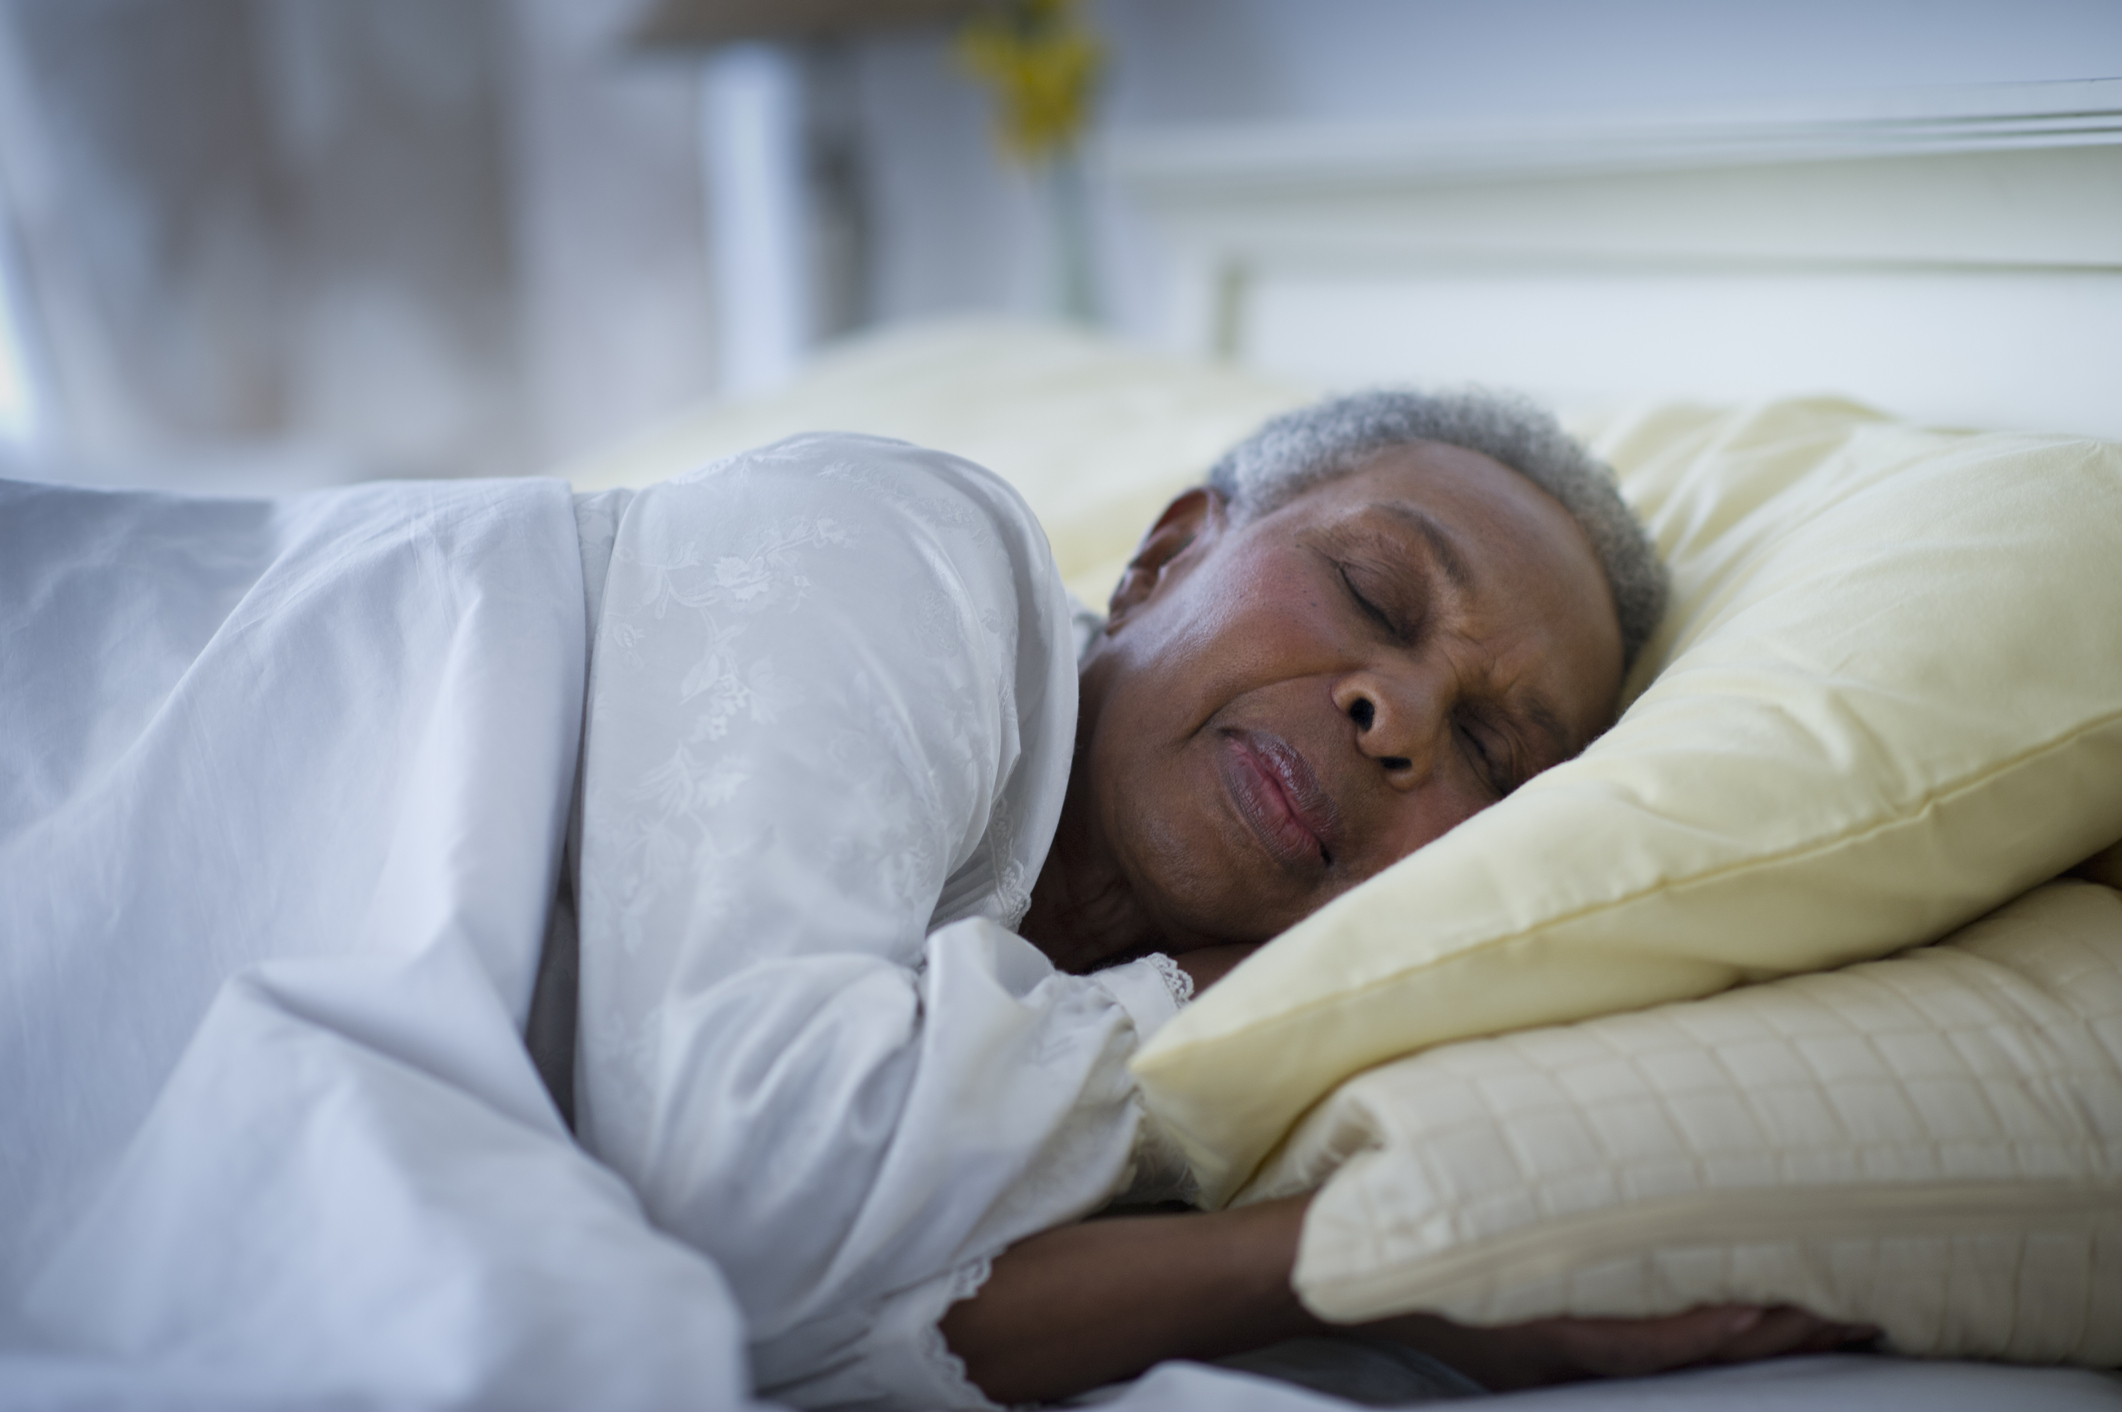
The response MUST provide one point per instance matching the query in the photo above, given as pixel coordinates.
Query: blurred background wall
(254, 244)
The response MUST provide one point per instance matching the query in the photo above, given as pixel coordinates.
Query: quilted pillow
(1886, 700)
(1931, 1143)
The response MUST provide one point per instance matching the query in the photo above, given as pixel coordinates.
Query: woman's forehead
(1469, 513)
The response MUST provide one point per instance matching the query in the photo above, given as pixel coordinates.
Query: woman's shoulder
(880, 526)
(893, 607)
(875, 477)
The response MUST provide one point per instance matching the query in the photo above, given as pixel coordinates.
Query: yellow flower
(1043, 64)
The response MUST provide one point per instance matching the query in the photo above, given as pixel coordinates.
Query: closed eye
(1489, 761)
(1366, 606)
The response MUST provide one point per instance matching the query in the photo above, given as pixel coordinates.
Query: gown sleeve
(832, 706)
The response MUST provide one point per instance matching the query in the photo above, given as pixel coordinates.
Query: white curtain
(300, 241)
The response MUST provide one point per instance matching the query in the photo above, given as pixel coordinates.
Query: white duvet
(285, 786)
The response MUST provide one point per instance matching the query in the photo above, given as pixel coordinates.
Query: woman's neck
(1084, 913)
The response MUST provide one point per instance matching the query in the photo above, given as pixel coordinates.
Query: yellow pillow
(1931, 1143)
(1888, 698)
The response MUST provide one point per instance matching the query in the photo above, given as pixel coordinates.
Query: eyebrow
(1440, 540)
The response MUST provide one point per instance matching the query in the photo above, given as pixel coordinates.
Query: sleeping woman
(886, 863)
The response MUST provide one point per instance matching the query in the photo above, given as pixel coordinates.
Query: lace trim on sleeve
(965, 1282)
(1180, 984)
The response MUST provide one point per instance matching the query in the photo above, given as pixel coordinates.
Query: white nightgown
(832, 709)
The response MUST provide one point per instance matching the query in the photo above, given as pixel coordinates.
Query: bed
(1858, 250)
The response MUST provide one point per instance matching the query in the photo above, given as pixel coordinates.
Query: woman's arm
(1074, 1308)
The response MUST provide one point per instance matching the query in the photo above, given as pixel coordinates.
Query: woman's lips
(1279, 797)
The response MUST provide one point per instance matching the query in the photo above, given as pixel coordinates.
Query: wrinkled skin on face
(1281, 707)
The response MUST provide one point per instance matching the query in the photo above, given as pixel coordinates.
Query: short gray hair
(1312, 445)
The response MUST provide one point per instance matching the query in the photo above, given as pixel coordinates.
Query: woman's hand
(1566, 1350)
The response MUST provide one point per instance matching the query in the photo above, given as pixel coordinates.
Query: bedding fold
(282, 794)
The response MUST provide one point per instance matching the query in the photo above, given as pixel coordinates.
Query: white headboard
(1950, 255)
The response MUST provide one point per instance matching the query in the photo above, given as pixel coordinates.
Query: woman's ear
(1199, 511)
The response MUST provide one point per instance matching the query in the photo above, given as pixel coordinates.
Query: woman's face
(1281, 708)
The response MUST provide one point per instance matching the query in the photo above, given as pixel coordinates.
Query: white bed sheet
(327, 743)
(1833, 1383)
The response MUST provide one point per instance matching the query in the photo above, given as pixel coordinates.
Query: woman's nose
(1396, 722)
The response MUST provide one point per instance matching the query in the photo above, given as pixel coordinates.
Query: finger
(1846, 1338)
(1784, 1330)
(1632, 1347)
(1775, 1331)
